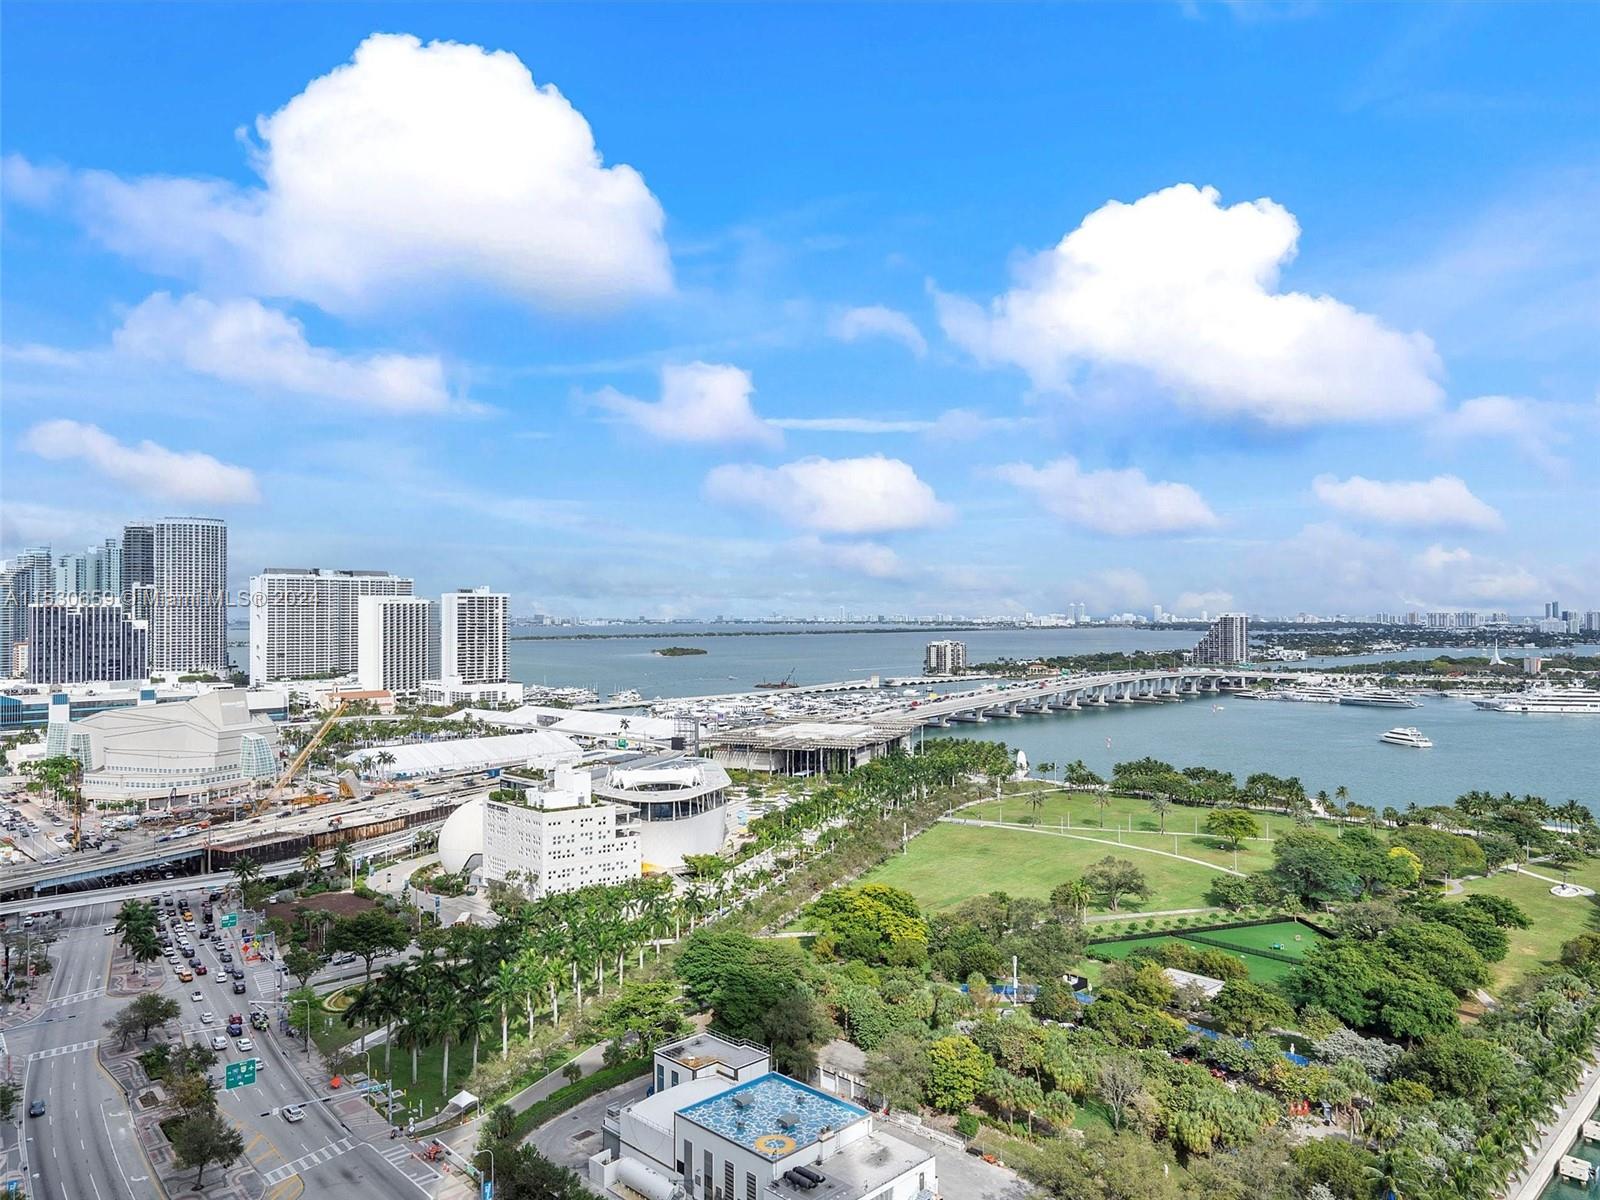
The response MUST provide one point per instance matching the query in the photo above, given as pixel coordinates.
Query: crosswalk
(306, 1161)
(55, 1051)
(402, 1156)
(60, 1001)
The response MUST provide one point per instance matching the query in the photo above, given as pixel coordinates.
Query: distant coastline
(678, 651)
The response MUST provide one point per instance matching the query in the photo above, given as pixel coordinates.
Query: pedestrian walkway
(1555, 1136)
(306, 1161)
(1079, 837)
(57, 1051)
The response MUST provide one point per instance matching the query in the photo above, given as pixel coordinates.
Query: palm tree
(444, 1018)
(246, 871)
(509, 987)
(1160, 805)
(311, 861)
(341, 856)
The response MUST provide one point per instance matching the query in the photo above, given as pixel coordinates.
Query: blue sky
(687, 310)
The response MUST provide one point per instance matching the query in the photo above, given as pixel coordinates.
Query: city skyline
(1039, 342)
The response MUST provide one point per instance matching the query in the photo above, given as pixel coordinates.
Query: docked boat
(1378, 698)
(1544, 700)
(1406, 735)
(626, 696)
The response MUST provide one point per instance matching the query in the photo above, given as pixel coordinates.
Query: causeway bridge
(1072, 693)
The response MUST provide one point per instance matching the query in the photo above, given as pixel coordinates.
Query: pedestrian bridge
(1072, 693)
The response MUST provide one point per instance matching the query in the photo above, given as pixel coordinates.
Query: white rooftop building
(540, 749)
(721, 1123)
(546, 837)
(211, 745)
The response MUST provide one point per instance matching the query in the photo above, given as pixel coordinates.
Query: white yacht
(1378, 698)
(1544, 700)
(1406, 735)
(626, 696)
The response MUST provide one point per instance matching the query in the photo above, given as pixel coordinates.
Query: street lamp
(490, 1153)
(306, 1000)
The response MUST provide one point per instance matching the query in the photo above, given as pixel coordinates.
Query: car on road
(218, 1042)
(110, 847)
(245, 1043)
(199, 968)
(225, 955)
(186, 976)
(36, 1109)
(207, 1018)
(294, 1112)
(197, 996)
(342, 960)
(109, 930)
(236, 972)
(259, 1020)
(238, 986)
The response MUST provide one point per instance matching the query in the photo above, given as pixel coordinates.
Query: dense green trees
(1113, 878)
(957, 1068)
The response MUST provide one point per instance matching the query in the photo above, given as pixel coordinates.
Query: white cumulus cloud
(872, 559)
(700, 402)
(245, 342)
(1443, 502)
(1510, 420)
(410, 169)
(1192, 603)
(875, 320)
(832, 495)
(1182, 289)
(147, 468)
(1121, 503)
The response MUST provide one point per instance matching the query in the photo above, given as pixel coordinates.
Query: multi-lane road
(83, 1147)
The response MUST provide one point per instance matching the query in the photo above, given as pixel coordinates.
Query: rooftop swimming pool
(772, 1115)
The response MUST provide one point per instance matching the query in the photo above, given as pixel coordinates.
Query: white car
(245, 1044)
(110, 929)
(294, 1112)
(197, 996)
(218, 1042)
(207, 1018)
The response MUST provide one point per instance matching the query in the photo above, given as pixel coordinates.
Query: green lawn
(1554, 920)
(428, 1094)
(1133, 823)
(1287, 937)
(951, 863)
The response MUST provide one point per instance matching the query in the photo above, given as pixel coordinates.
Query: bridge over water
(1070, 693)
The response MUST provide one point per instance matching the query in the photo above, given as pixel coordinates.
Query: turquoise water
(1329, 746)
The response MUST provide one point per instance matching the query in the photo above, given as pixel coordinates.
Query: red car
(200, 970)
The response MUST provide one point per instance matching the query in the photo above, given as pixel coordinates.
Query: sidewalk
(1557, 1136)
(466, 1134)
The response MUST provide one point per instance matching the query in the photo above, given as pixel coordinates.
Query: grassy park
(951, 863)
(1555, 920)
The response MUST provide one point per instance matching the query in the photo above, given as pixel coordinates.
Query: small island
(678, 651)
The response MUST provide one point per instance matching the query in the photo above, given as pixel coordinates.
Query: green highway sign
(229, 920)
(239, 1074)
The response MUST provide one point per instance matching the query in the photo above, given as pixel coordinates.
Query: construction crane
(300, 760)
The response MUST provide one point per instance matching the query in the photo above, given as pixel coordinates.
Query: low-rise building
(458, 691)
(805, 747)
(732, 1128)
(211, 745)
(681, 803)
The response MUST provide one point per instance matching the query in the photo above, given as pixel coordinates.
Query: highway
(84, 1145)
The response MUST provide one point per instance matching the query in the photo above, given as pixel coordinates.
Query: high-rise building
(473, 630)
(396, 643)
(1225, 643)
(944, 658)
(71, 640)
(1552, 609)
(138, 557)
(303, 621)
(1591, 622)
(188, 609)
(27, 578)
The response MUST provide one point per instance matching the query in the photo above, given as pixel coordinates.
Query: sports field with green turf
(1281, 937)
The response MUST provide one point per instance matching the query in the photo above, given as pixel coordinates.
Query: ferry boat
(1378, 698)
(1544, 700)
(1406, 735)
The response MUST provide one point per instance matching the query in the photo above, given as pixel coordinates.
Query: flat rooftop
(702, 1049)
(772, 1115)
(860, 1169)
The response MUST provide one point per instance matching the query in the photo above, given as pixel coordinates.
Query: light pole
(306, 1000)
(490, 1153)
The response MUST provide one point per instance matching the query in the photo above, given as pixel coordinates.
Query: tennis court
(1262, 948)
